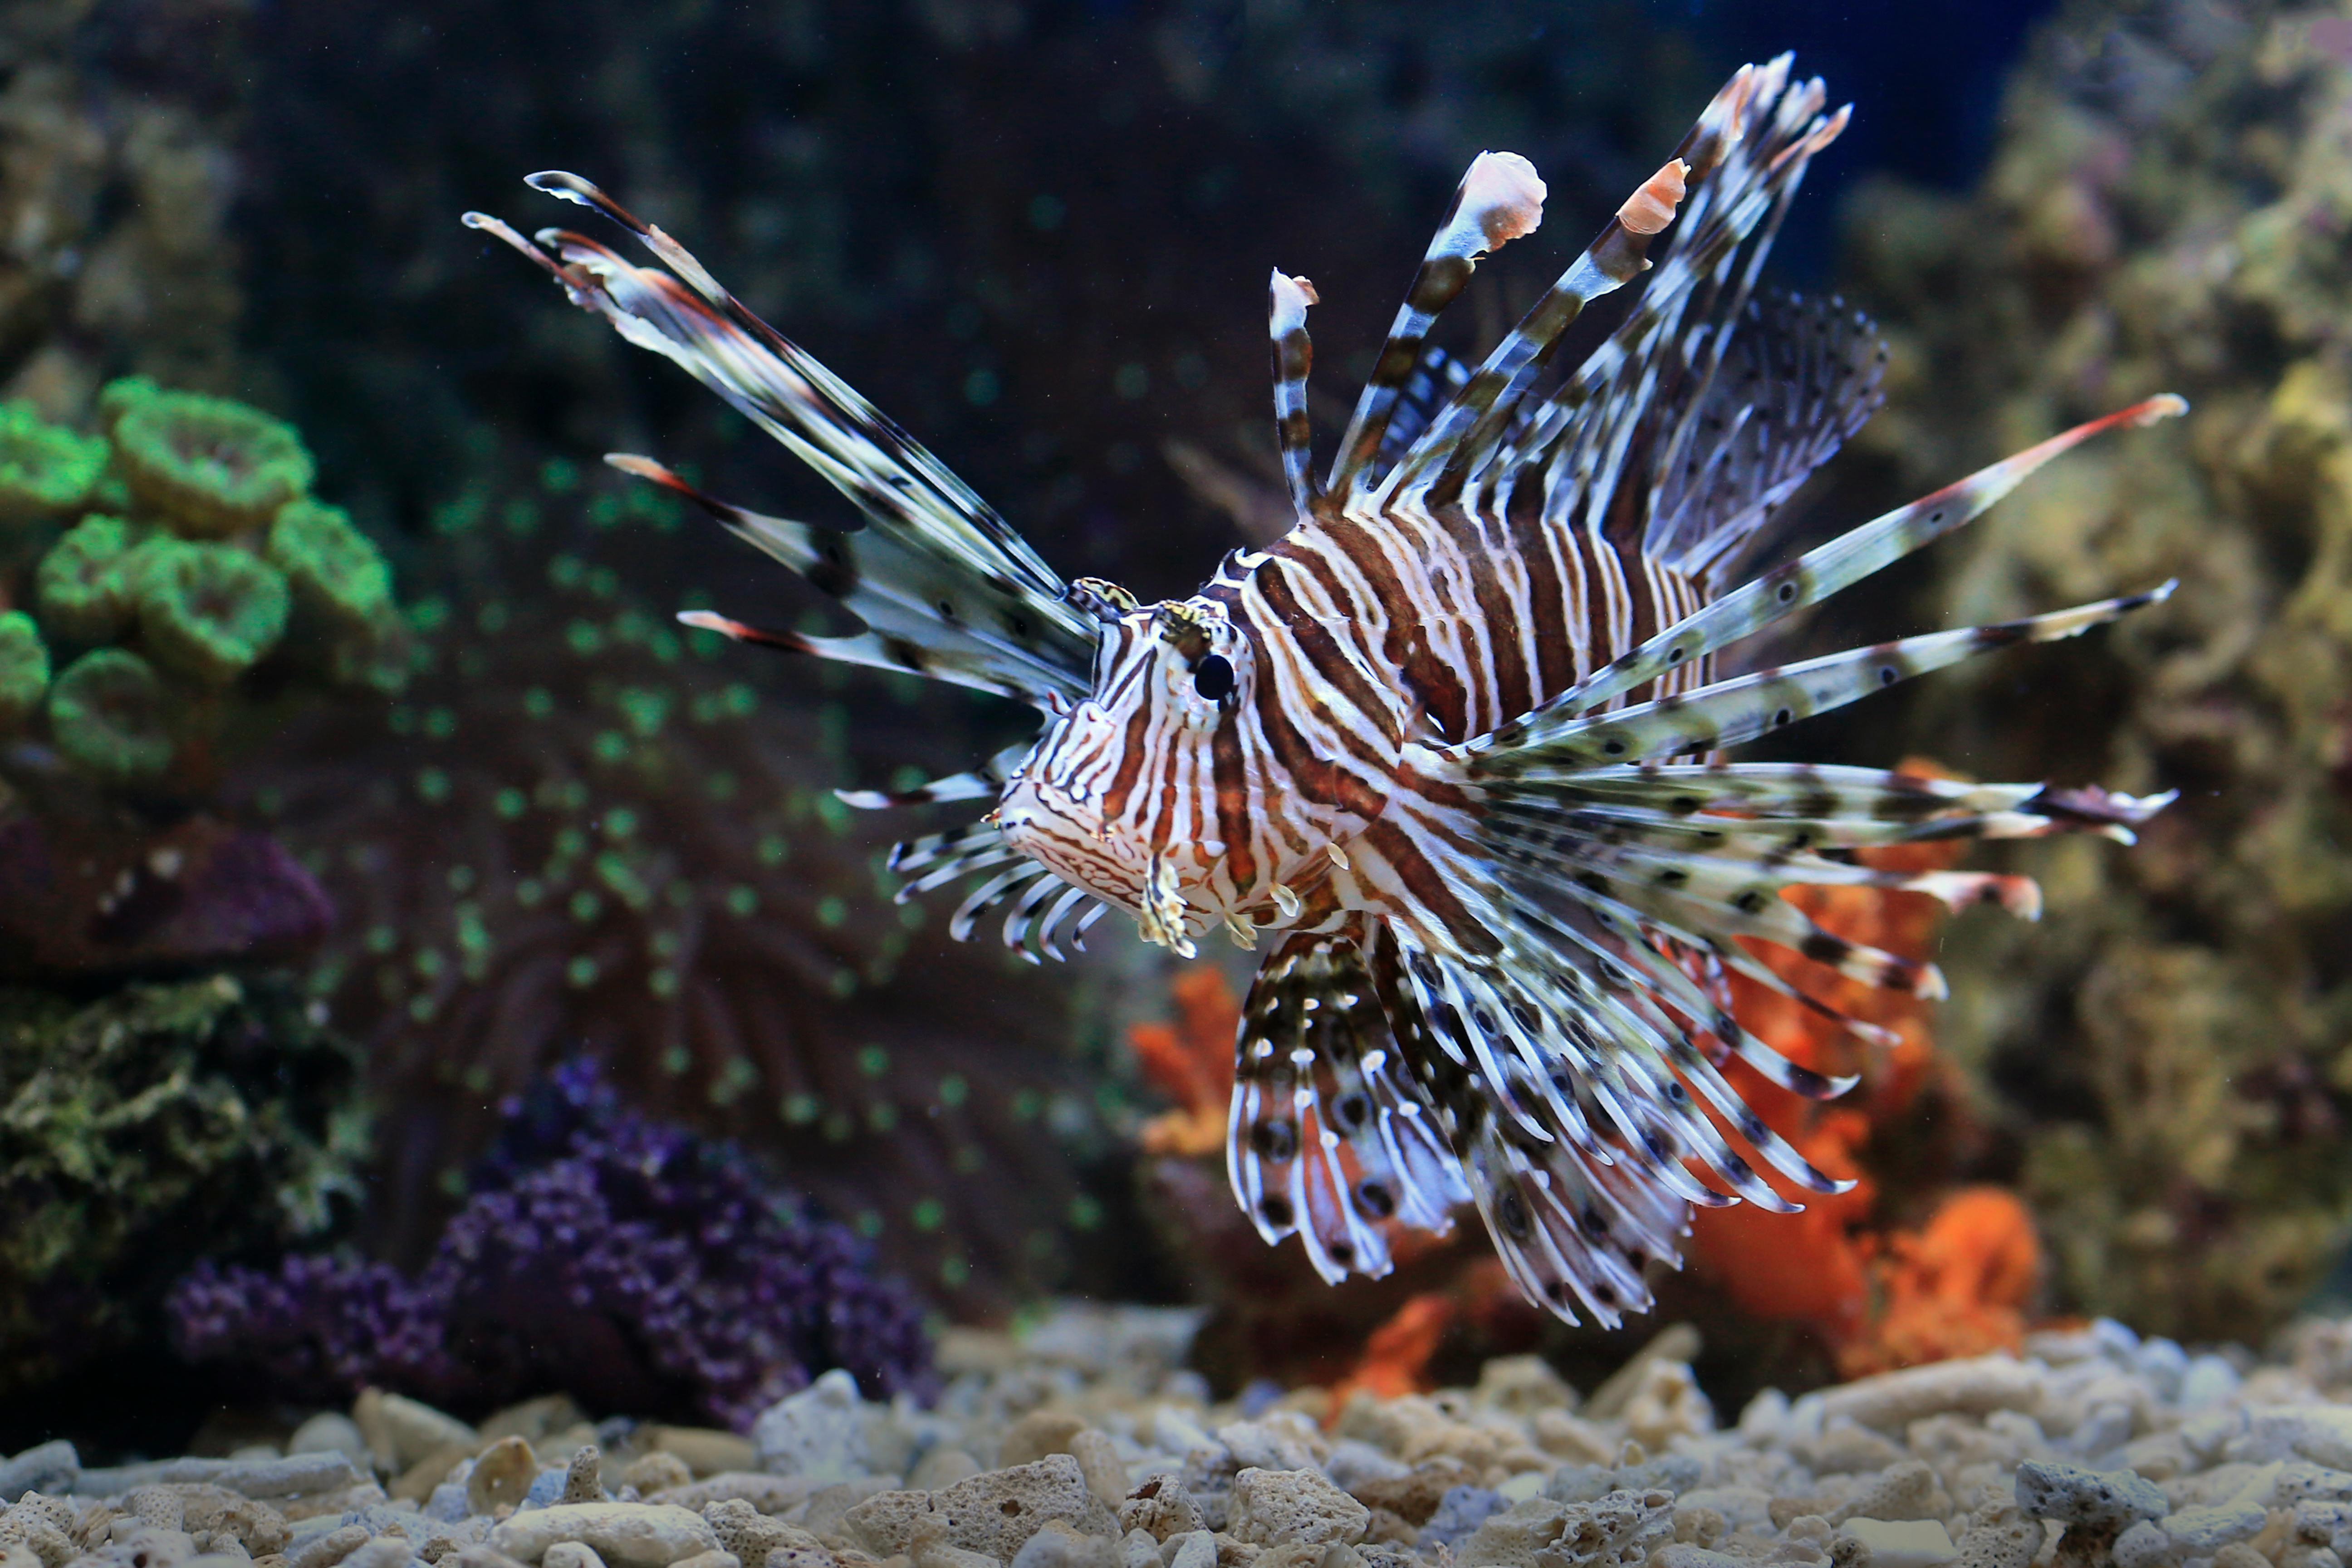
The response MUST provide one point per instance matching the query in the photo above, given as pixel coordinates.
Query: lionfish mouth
(1065, 832)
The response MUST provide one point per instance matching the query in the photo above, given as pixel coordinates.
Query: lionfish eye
(1212, 677)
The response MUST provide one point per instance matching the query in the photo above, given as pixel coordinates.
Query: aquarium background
(528, 824)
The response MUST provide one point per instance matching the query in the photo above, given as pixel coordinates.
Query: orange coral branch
(1192, 1063)
(1397, 1356)
(1956, 1288)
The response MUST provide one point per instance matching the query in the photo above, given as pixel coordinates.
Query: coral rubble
(1083, 1442)
(601, 1253)
(2164, 1058)
(118, 119)
(141, 1131)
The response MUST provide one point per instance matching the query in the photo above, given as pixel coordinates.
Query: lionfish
(1453, 742)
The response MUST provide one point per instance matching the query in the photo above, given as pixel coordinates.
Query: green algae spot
(209, 612)
(46, 470)
(620, 823)
(663, 982)
(210, 467)
(735, 1077)
(953, 1091)
(108, 716)
(461, 878)
(79, 587)
(610, 746)
(772, 849)
(382, 939)
(440, 724)
(622, 881)
(580, 972)
(530, 893)
(720, 786)
(538, 702)
(473, 935)
(24, 669)
(831, 910)
(1086, 1211)
(453, 519)
(928, 1214)
(873, 1060)
(955, 1272)
(585, 638)
(798, 1110)
(510, 803)
(1027, 1104)
(559, 476)
(586, 906)
(867, 1223)
(432, 786)
(675, 1060)
(645, 709)
(741, 901)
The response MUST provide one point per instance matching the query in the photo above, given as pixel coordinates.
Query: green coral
(209, 612)
(24, 669)
(79, 587)
(109, 715)
(208, 466)
(117, 398)
(192, 552)
(46, 470)
(141, 1130)
(338, 577)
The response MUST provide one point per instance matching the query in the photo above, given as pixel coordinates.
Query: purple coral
(618, 1258)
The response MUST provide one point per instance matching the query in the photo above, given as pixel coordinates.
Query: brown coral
(2167, 209)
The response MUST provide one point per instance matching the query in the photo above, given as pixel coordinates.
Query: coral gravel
(1083, 1443)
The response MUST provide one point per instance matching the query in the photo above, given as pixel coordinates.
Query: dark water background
(1035, 233)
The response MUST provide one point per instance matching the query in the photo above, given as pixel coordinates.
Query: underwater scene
(1175, 784)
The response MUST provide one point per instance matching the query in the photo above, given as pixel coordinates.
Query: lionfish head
(1120, 793)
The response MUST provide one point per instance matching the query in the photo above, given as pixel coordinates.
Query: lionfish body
(1451, 745)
